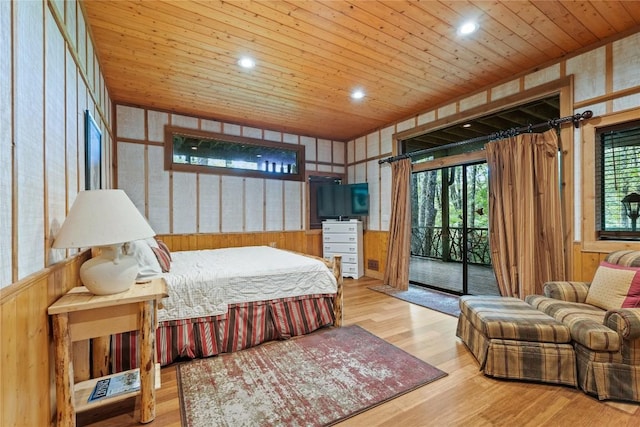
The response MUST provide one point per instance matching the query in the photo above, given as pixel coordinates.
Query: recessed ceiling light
(246, 62)
(357, 94)
(466, 125)
(467, 28)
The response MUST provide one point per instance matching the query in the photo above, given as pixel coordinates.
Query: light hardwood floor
(464, 398)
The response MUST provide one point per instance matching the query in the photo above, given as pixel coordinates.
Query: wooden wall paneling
(35, 354)
(313, 243)
(6, 146)
(10, 366)
(204, 241)
(300, 240)
(27, 370)
(375, 248)
(588, 264)
(29, 136)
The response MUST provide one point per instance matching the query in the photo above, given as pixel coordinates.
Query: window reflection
(233, 154)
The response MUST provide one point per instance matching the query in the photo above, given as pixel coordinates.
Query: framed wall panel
(29, 134)
(131, 173)
(130, 122)
(156, 120)
(373, 179)
(184, 203)
(158, 190)
(232, 208)
(254, 204)
(293, 205)
(324, 151)
(274, 213)
(373, 144)
(54, 135)
(209, 203)
(385, 198)
(6, 114)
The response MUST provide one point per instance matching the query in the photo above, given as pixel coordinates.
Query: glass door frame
(465, 217)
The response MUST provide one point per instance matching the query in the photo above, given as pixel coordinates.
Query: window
(206, 152)
(617, 169)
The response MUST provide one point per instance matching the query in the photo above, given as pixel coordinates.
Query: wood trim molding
(20, 286)
(491, 107)
(590, 242)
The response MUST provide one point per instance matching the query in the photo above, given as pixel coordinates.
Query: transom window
(207, 152)
(617, 179)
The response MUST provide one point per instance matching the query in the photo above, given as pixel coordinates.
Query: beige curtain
(525, 231)
(396, 273)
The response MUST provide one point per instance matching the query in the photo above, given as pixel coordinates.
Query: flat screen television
(335, 201)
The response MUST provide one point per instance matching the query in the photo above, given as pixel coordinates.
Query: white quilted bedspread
(203, 283)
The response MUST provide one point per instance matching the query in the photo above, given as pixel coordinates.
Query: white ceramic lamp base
(104, 275)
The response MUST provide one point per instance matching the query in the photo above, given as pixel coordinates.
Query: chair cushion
(585, 321)
(512, 319)
(615, 286)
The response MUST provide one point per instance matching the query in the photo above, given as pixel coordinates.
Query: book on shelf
(118, 384)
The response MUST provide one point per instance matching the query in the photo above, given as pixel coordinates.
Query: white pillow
(152, 242)
(147, 262)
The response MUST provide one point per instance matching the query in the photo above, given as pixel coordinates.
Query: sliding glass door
(450, 239)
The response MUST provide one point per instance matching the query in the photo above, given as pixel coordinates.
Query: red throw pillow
(163, 259)
(162, 245)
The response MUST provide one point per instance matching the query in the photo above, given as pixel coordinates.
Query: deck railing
(433, 242)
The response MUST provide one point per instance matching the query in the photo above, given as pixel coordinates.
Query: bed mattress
(204, 283)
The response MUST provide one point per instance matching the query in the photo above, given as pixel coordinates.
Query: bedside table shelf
(80, 315)
(83, 390)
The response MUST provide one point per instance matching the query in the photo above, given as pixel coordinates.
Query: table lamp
(106, 219)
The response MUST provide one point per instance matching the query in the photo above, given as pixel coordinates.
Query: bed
(225, 300)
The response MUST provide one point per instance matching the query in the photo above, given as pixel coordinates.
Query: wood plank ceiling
(406, 55)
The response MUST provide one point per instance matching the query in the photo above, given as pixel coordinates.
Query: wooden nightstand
(80, 315)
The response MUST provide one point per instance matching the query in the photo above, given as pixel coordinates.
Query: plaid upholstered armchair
(604, 320)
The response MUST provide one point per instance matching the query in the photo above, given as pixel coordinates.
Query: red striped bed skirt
(244, 325)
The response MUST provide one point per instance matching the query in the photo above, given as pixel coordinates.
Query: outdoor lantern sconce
(631, 204)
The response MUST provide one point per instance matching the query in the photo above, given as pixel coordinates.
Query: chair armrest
(625, 321)
(567, 291)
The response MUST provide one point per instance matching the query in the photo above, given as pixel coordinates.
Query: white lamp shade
(101, 218)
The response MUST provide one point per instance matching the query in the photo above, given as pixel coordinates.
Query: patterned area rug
(439, 301)
(313, 380)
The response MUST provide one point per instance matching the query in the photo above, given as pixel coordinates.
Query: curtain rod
(576, 118)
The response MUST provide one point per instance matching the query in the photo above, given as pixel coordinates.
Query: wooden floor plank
(464, 398)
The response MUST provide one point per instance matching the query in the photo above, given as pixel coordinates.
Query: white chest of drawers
(344, 238)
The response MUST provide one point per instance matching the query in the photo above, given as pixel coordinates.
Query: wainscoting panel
(27, 393)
